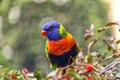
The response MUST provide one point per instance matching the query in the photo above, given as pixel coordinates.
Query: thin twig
(107, 58)
(118, 59)
(110, 66)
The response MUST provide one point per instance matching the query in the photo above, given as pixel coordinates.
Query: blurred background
(21, 44)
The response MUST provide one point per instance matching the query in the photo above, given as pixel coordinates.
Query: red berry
(13, 76)
(89, 78)
(89, 67)
(67, 77)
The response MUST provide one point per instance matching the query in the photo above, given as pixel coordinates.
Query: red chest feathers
(61, 46)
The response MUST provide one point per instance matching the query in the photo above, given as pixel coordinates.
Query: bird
(61, 48)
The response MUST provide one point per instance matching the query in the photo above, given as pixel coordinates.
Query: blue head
(51, 30)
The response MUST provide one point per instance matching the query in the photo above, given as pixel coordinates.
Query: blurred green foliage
(23, 35)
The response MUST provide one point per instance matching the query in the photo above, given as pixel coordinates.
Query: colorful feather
(60, 46)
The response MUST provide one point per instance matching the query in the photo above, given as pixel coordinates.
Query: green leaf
(38, 74)
(109, 24)
(89, 58)
(73, 74)
(6, 71)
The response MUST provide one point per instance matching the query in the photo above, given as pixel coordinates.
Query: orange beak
(44, 33)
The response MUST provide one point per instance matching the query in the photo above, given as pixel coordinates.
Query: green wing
(62, 31)
(46, 49)
(53, 66)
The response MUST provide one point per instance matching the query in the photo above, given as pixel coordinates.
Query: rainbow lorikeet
(61, 47)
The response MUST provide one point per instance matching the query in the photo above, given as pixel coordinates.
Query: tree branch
(110, 66)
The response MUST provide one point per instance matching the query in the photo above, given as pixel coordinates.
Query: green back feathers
(52, 66)
(46, 49)
(62, 31)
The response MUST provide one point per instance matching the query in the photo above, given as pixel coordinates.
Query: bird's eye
(51, 28)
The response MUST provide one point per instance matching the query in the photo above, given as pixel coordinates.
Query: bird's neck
(55, 38)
